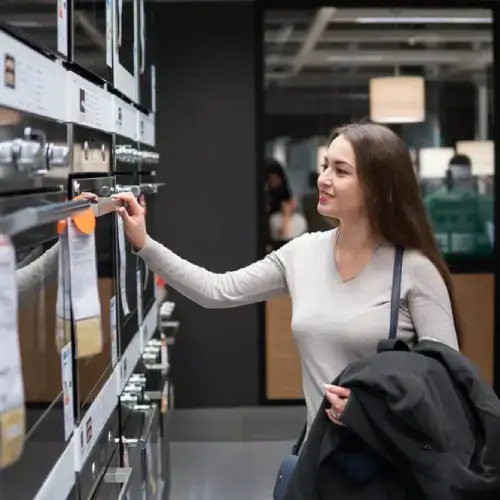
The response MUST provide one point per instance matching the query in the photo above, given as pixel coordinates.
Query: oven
(91, 30)
(43, 25)
(46, 419)
(125, 172)
(147, 177)
(142, 445)
(94, 320)
(125, 47)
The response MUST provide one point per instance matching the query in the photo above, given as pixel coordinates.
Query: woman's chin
(322, 210)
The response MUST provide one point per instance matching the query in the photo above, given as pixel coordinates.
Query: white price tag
(85, 292)
(123, 266)
(109, 33)
(63, 305)
(62, 27)
(11, 381)
(114, 343)
(12, 413)
(139, 297)
(67, 386)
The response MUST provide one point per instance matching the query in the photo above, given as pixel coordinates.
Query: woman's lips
(324, 197)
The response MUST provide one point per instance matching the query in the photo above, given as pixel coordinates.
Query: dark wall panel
(206, 135)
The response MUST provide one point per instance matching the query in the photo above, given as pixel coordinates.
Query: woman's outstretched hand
(133, 218)
(338, 397)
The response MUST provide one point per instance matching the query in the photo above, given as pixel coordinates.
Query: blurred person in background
(277, 187)
(288, 223)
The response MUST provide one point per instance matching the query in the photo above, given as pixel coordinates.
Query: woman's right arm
(255, 283)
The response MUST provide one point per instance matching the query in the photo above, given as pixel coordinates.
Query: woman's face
(340, 192)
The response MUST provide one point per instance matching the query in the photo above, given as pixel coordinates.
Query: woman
(339, 280)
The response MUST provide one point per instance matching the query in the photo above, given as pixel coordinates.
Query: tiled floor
(230, 454)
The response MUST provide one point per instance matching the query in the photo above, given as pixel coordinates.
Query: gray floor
(230, 454)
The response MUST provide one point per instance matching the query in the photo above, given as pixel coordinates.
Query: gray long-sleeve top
(334, 322)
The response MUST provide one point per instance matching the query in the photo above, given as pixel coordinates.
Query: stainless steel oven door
(94, 366)
(30, 218)
(91, 31)
(43, 25)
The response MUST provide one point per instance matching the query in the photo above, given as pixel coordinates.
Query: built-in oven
(94, 305)
(149, 160)
(91, 31)
(146, 68)
(114, 482)
(142, 446)
(125, 48)
(125, 171)
(36, 381)
(43, 25)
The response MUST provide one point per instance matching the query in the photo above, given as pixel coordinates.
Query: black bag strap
(396, 292)
(393, 326)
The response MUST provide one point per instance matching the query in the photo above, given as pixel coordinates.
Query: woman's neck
(355, 237)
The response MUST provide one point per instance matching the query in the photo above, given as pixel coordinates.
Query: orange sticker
(84, 220)
(61, 226)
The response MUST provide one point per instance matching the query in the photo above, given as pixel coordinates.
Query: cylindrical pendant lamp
(481, 154)
(397, 99)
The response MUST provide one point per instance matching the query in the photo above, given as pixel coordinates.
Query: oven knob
(7, 154)
(57, 155)
(105, 191)
(31, 157)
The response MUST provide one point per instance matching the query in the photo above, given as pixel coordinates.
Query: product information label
(62, 27)
(123, 267)
(67, 383)
(11, 380)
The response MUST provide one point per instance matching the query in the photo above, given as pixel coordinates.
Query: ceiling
(326, 56)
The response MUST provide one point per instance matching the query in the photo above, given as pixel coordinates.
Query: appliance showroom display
(84, 366)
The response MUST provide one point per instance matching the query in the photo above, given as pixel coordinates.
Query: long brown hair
(392, 194)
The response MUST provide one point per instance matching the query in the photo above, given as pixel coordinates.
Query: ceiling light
(424, 20)
(397, 99)
(481, 154)
(433, 162)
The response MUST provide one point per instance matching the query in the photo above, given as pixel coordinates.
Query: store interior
(217, 122)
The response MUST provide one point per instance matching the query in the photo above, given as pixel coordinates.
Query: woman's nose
(324, 182)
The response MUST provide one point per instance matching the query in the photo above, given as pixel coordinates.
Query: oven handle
(146, 430)
(151, 188)
(30, 217)
(119, 475)
(105, 206)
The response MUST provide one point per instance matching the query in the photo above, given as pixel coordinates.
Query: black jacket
(429, 417)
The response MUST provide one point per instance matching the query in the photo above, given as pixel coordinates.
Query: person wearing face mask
(339, 280)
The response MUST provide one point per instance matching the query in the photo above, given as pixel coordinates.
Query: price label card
(12, 413)
(123, 266)
(114, 342)
(67, 386)
(63, 305)
(85, 292)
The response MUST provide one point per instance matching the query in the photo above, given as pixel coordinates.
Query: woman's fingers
(133, 206)
(337, 390)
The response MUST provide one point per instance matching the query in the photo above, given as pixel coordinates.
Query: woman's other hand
(338, 397)
(133, 220)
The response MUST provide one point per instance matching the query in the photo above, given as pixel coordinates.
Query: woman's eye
(340, 172)
(324, 167)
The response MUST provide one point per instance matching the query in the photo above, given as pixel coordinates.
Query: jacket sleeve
(40, 271)
(255, 283)
(429, 303)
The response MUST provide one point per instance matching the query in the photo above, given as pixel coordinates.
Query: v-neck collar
(365, 268)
